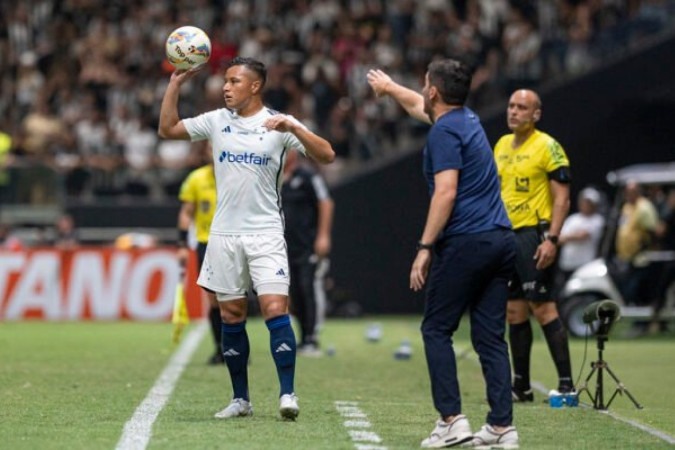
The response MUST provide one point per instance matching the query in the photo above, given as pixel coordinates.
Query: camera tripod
(599, 366)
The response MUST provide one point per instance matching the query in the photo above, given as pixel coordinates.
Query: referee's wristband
(182, 238)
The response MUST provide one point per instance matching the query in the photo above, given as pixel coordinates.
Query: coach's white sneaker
(288, 406)
(488, 438)
(449, 434)
(237, 407)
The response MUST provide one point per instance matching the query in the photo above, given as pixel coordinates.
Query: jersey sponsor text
(244, 158)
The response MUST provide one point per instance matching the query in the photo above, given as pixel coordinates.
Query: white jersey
(248, 164)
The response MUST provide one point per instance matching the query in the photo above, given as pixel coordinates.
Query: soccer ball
(188, 47)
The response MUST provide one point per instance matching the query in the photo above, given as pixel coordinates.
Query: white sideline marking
(541, 388)
(138, 429)
(356, 424)
(367, 436)
(653, 431)
(362, 439)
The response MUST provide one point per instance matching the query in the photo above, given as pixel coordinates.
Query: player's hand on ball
(379, 81)
(180, 76)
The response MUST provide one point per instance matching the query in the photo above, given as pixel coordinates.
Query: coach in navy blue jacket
(468, 236)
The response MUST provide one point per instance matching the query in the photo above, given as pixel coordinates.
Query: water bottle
(404, 351)
(571, 399)
(556, 399)
(374, 332)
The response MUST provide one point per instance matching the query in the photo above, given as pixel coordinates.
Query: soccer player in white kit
(246, 242)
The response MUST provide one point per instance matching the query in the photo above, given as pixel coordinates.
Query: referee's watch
(553, 239)
(422, 246)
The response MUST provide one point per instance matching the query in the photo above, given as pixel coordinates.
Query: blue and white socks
(236, 351)
(283, 347)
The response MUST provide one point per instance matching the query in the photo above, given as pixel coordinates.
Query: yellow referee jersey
(523, 173)
(200, 188)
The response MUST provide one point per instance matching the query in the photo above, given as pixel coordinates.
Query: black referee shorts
(527, 282)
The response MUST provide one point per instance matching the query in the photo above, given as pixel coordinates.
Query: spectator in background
(578, 58)
(97, 147)
(140, 154)
(173, 164)
(65, 233)
(666, 229)
(29, 81)
(637, 227)
(43, 133)
(384, 48)
(308, 213)
(6, 159)
(666, 234)
(580, 236)
(521, 43)
(135, 240)
(198, 205)
(64, 53)
(8, 241)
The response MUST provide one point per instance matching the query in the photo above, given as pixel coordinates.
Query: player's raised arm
(170, 125)
(411, 101)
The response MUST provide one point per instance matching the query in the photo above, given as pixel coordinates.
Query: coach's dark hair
(452, 78)
(251, 64)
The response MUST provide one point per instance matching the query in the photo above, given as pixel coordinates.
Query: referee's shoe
(519, 396)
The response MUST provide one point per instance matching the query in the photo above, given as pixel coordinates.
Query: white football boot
(238, 407)
(288, 406)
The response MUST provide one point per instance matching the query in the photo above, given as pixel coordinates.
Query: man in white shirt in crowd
(580, 235)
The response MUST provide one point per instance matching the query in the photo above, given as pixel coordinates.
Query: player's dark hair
(251, 64)
(452, 78)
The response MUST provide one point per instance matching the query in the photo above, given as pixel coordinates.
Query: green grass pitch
(74, 386)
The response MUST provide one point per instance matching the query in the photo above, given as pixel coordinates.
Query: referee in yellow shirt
(198, 197)
(535, 179)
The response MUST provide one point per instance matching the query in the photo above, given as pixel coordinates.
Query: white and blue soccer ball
(188, 47)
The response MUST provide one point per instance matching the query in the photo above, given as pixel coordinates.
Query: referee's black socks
(558, 345)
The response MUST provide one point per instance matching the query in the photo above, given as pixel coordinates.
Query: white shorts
(235, 263)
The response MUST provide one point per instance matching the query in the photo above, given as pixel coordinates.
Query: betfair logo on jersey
(244, 158)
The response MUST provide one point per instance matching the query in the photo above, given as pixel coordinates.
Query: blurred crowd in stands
(81, 80)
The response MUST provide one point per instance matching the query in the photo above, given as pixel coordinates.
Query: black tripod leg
(585, 385)
(599, 387)
(621, 389)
